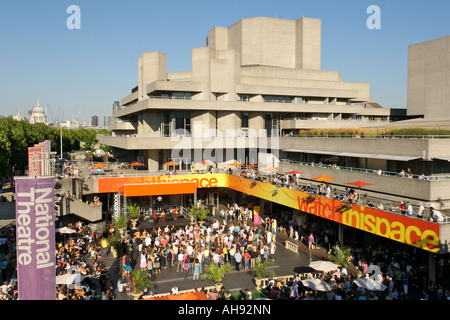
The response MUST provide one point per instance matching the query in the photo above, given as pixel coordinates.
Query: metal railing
(303, 187)
(369, 136)
(433, 177)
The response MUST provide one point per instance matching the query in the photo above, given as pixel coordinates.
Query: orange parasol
(136, 164)
(99, 166)
(323, 178)
(360, 183)
(294, 172)
(235, 163)
(170, 163)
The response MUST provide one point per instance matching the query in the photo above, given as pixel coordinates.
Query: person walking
(237, 259)
(186, 267)
(196, 269)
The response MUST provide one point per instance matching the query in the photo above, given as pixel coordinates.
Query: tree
(89, 140)
(141, 280)
(260, 270)
(216, 273)
(341, 256)
(105, 149)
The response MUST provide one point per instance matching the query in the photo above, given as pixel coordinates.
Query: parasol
(323, 178)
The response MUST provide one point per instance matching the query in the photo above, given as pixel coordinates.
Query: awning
(157, 189)
(359, 155)
(442, 158)
(310, 151)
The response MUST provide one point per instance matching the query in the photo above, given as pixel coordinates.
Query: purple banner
(35, 236)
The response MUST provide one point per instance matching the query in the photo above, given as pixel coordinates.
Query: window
(278, 99)
(244, 119)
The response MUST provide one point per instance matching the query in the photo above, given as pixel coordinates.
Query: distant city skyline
(81, 72)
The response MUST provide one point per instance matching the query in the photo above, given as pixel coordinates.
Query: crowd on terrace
(190, 249)
(78, 253)
(348, 195)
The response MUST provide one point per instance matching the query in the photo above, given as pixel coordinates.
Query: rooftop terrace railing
(433, 177)
(369, 136)
(304, 186)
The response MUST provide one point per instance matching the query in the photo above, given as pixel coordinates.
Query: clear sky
(82, 72)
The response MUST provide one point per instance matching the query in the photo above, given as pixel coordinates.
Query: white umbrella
(69, 278)
(370, 284)
(317, 285)
(65, 230)
(324, 266)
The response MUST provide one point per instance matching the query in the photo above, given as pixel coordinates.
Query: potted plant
(198, 212)
(140, 280)
(341, 256)
(217, 274)
(133, 211)
(260, 270)
(120, 224)
(116, 244)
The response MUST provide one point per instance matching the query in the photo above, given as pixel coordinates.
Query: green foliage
(116, 242)
(141, 280)
(133, 211)
(16, 136)
(377, 133)
(260, 270)
(199, 212)
(341, 256)
(121, 222)
(216, 274)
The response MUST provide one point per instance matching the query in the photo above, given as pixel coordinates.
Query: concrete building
(94, 121)
(429, 79)
(260, 76)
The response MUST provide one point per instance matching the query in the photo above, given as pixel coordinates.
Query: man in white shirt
(409, 208)
(436, 215)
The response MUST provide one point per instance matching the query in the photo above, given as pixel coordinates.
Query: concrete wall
(429, 78)
(431, 193)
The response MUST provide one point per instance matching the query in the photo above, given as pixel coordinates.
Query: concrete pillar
(432, 267)
(149, 123)
(153, 160)
(341, 234)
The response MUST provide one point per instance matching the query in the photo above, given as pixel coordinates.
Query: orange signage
(136, 190)
(108, 185)
(419, 233)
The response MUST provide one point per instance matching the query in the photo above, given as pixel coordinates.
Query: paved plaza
(284, 264)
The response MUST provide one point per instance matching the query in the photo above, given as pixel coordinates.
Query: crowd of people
(190, 249)
(78, 253)
(81, 253)
(349, 195)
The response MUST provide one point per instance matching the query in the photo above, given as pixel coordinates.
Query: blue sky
(82, 72)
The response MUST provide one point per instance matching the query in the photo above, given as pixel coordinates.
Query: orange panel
(134, 190)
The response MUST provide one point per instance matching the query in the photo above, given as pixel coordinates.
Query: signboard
(34, 161)
(35, 238)
(109, 185)
(419, 233)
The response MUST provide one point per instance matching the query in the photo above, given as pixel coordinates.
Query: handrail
(371, 136)
(433, 177)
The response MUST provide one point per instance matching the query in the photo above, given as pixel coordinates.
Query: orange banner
(112, 185)
(419, 233)
(136, 190)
